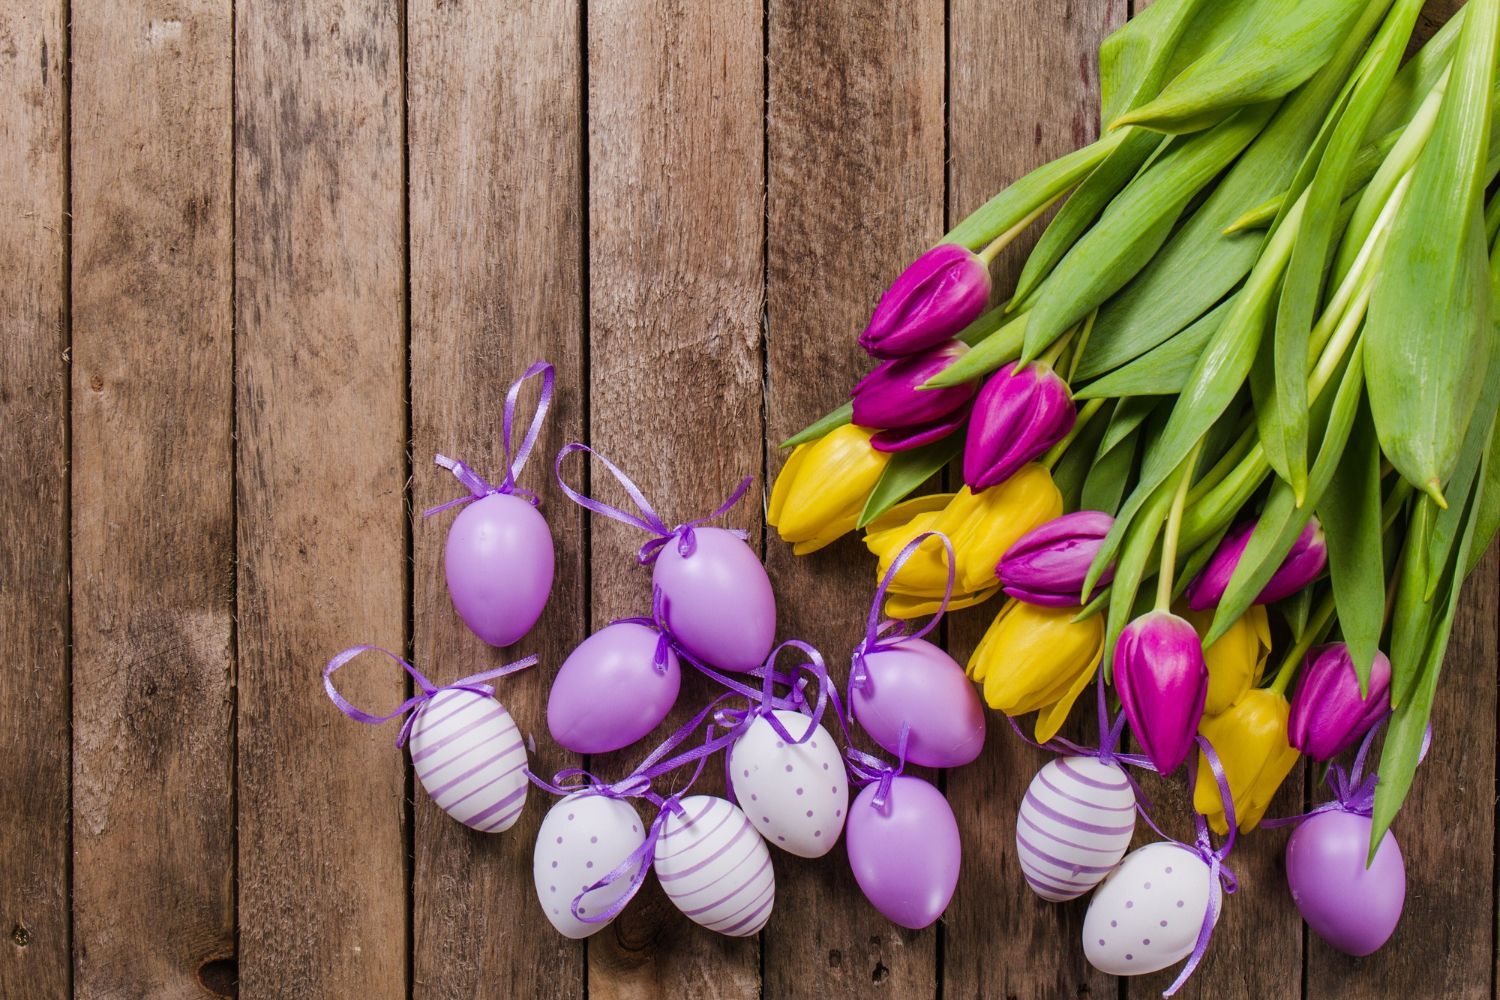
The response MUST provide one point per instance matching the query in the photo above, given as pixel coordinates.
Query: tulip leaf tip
(1434, 489)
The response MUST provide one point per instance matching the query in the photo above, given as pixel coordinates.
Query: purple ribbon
(473, 481)
(866, 768)
(882, 635)
(472, 683)
(1353, 791)
(648, 519)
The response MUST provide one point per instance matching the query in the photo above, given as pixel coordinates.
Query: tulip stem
(1316, 630)
(1084, 416)
(1169, 539)
(993, 248)
(1080, 344)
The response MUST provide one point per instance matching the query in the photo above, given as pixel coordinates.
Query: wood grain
(322, 524)
(1023, 88)
(36, 952)
(153, 497)
(676, 214)
(855, 147)
(495, 189)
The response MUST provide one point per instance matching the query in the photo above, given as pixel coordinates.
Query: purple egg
(906, 856)
(719, 601)
(499, 564)
(916, 683)
(608, 692)
(1352, 907)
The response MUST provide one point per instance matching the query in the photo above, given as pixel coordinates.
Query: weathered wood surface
(258, 262)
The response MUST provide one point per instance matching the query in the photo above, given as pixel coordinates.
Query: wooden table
(259, 261)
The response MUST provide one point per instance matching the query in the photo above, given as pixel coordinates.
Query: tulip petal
(1050, 719)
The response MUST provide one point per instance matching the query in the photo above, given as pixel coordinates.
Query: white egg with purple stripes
(583, 838)
(1074, 825)
(471, 758)
(795, 794)
(715, 867)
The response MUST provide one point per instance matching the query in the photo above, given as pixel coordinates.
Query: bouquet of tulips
(1250, 363)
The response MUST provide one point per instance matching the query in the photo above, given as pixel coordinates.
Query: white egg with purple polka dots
(583, 837)
(1146, 915)
(795, 794)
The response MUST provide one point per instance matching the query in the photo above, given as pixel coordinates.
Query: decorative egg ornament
(795, 794)
(583, 838)
(715, 867)
(1147, 914)
(613, 689)
(471, 759)
(905, 851)
(1354, 908)
(1074, 826)
(915, 684)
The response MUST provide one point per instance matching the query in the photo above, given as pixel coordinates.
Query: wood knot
(220, 976)
(96, 383)
(20, 936)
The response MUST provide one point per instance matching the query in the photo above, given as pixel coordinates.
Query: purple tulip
(1301, 566)
(1328, 715)
(1017, 416)
(1048, 565)
(1162, 681)
(890, 398)
(939, 294)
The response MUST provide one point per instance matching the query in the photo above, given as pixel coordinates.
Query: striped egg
(470, 757)
(1074, 826)
(795, 794)
(715, 868)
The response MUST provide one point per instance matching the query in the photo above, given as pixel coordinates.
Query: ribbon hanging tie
(476, 484)
(883, 634)
(1353, 790)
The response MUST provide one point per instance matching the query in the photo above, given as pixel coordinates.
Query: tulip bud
(1017, 416)
(890, 398)
(823, 488)
(1328, 714)
(939, 294)
(1048, 565)
(1035, 659)
(1301, 566)
(1250, 740)
(1162, 681)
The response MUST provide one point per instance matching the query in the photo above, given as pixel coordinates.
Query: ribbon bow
(1353, 791)
(647, 519)
(867, 769)
(881, 635)
(472, 683)
(473, 481)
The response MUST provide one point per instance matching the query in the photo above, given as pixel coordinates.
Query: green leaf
(1351, 518)
(818, 428)
(1033, 192)
(1077, 462)
(1429, 317)
(996, 350)
(1295, 610)
(1157, 44)
(906, 471)
(1411, 612)
(1135, 225)
(1130, 568)
(1104, 485)
(1487, 517)
(1163, 370)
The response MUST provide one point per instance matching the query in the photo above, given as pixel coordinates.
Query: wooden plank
(34, 705)
(855, 152)
(676, 216)
(493, 95)
(1444, 944)
(153, 544)
(1023, 88)
(322, 523)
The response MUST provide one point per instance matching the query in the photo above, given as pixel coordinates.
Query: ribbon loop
(883, 633)
(473, 683)
(515, 460)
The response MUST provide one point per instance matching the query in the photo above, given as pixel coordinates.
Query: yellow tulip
(981, 526)
(1250, 739)
(824, 486)
(1237, 660)
(1035, 659)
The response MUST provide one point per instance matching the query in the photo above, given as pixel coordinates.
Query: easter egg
(715, 868)
(916, 684)
(719, 601)
(1147, 913)
(1352, 907)
(906, 855)
(470, 757)
(608, 692)
(795, 794)
(499, 564)
(1074, 826)
(583, 838)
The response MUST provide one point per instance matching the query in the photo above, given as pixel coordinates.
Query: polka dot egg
(583, 838)
(470, 757)
(1074, 826)
(715, 868)
(795, 794)
(1147, 914)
